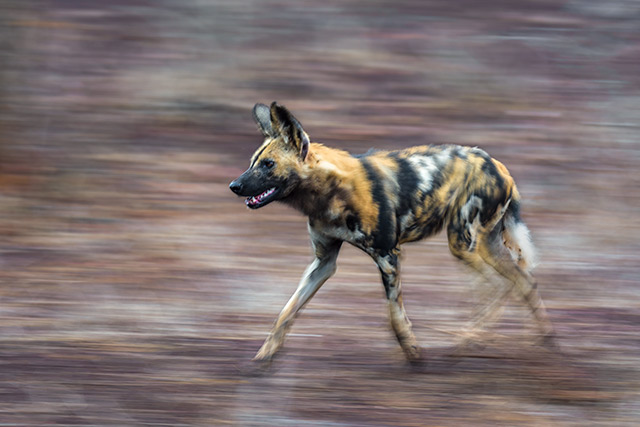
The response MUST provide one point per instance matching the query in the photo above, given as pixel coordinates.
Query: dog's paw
(413, 353)
(550, 342)
(256, 367)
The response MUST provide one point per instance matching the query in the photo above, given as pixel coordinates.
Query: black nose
(235, 186)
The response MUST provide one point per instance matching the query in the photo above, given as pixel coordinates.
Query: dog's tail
(517, 238)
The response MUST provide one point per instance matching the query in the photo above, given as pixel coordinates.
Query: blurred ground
(134, 283)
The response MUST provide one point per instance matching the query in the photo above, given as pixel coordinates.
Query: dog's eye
(268, 163)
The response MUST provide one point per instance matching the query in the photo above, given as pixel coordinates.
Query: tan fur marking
(387, 167)
(448, 192)
(327, 164)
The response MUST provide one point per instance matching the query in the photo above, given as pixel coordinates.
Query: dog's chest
(342, 231)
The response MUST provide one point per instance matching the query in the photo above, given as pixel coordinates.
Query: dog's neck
(327, 180)
(334, 191)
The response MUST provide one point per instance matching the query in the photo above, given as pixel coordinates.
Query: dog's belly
(413, 229)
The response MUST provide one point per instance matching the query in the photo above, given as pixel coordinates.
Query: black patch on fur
(491, 202)
(352, 222)
(490, 169)
(437, 178)
(472, 215)
(459, 152)
(408, 183)
(258, 156)
(384, 235)
(388, 284)
(433, 224)
(490, 205)
(281, 115)
(369, 152)
(459, 237)
(514, 210)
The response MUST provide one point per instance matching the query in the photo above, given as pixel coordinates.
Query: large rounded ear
(287, 126)
(262, 116)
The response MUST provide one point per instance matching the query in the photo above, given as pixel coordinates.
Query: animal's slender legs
(491, 299)
(482, 249)
(314, 277)
(494, 253)
(388, 265)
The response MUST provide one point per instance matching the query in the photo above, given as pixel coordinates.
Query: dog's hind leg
(490, 295)
(323, 267)
(489, 307)
(388, 264)
(494, 253)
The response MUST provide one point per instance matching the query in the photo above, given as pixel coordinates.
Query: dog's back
(407, 195)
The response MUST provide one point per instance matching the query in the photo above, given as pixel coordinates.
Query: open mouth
(261, 199)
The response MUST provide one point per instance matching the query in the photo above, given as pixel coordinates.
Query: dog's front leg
(315, 275)
(388, 264)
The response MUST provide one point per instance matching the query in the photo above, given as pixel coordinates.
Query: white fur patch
(406, 220)
(424, 167)
(523, 246)
(474, 201)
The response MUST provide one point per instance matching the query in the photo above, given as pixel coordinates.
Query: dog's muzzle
(236, 187)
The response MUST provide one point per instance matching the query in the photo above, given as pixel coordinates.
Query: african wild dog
(382, 199)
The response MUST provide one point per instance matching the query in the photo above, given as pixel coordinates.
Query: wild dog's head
(274, 171)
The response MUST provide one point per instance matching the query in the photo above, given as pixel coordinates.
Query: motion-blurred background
(134, 283)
